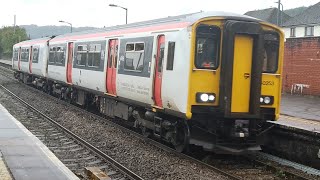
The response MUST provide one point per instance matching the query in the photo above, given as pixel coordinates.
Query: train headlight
(211, 97)
(266, 100)
(205, 97)
(261, 100)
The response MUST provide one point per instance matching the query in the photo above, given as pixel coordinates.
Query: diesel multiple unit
(210, 79)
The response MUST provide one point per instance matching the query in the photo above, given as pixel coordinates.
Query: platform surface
(4, 61)
(24, 155)
(300, 112)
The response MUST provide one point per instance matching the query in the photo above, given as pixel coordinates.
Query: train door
(241, 69)
(242, 73)
(158, 71)
(69, 63)
(30, 60)
(112, 66)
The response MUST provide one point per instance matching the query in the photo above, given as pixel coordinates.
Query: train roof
(187, 19)
(33, 41)
(167, 23)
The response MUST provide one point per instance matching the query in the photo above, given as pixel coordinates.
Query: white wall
(300, 31)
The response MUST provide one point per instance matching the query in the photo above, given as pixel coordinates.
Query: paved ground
(305, 107)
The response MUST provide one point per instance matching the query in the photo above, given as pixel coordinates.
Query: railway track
(77, 153)
(230, 172)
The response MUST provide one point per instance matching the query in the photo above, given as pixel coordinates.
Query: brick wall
(301, 68)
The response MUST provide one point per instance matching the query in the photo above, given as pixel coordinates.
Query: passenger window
(51, 54)
(207, 47)
(94, 55)
(271, 48)
(82, 52)
(60, 55)
(134, 57)
(15, 54)
(35, 55)
(24, 54)
(170, 58)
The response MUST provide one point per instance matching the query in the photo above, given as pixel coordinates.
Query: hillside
(35, 31)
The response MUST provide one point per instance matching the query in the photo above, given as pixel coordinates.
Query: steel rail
(101, 154)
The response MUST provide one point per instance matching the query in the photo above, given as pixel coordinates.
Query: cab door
(69, 63)
(112, 67)
(158, 71)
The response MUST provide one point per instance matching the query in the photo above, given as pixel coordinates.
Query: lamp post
(114, 5)
(279, 19)
(67, 23)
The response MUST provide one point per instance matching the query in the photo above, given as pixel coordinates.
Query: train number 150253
(268, 83)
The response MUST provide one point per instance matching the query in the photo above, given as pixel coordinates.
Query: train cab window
(60, 55)
(15, 54)
(94, 55)
(35, 55)
(82, 55)
(134, 57)
(170, 57)
(207, 47)
(271, 48)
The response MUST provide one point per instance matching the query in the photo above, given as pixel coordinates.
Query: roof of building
(310, 16)
(270, 15)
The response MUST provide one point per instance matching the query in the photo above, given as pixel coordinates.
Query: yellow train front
(234, 83)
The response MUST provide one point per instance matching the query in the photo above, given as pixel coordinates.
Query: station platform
(4, 61)
(300, 113)
(23, 156)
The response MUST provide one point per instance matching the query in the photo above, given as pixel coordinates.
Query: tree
(8, 37)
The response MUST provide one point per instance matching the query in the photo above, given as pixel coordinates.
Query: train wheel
(181, 136)
(145, 132)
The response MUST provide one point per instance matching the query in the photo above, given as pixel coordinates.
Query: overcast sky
(97, 13)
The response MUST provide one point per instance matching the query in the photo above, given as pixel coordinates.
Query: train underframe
(211, 131)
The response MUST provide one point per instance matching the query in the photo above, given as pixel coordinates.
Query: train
(205, 79)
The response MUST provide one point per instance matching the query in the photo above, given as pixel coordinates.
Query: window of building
(309, 31)
(82, 53)
(134, 57)
(15, 54)
(170, 57)
(94, 55)
(207, 47)
(35, 55)
(271, 49)
(293, 32)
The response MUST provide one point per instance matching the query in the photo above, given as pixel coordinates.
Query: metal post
(67, 23)
(14, 25)
(278, 16)
(114, 5)
(126, 15)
